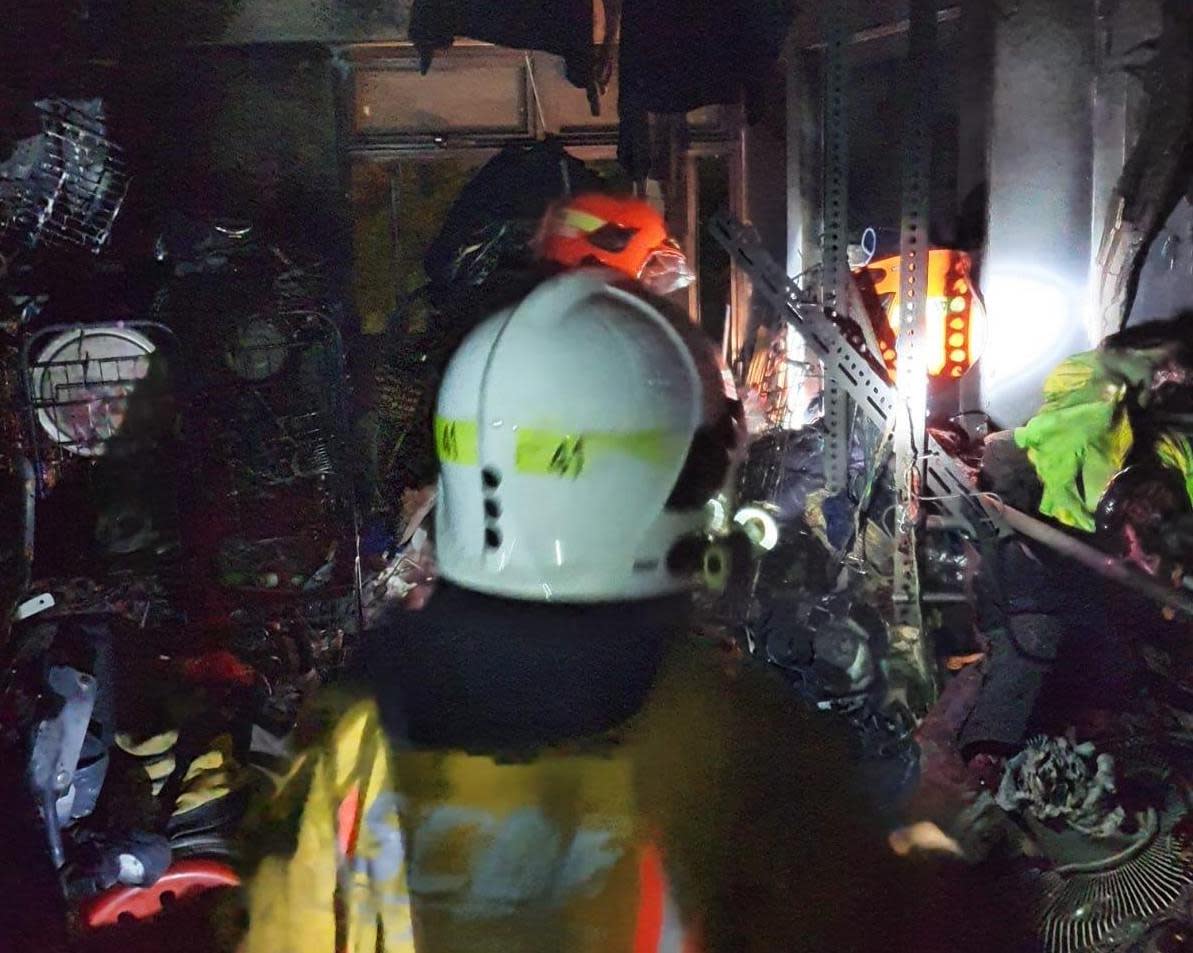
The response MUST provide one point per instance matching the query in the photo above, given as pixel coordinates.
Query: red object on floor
(183, 879)
(218, 668)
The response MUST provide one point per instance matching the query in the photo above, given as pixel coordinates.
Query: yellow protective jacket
(719, 818)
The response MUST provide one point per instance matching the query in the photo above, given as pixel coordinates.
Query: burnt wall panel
(238, 133)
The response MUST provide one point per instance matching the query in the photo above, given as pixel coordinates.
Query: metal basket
(768, 374)
(405, 404)
(95, 389)
(282, 402)
(277, 418)
(71, 181)
(101, 407)
(406, 378)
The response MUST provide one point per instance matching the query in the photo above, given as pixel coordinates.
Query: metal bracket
(56, 746)
(836, 278)
(32, 606)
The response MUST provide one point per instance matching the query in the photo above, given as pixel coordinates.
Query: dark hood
(479, 673)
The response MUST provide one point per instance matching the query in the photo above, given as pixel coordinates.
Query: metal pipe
(1108, 567)
(941, 524)
(944, 598)
(29, 515)
(885, 30)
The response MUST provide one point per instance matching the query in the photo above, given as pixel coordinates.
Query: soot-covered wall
(224, 107)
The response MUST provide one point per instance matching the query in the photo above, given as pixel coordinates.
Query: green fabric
(1081, 436)
(1176, 453)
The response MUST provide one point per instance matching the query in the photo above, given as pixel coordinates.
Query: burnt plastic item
(183, 879)
(94, 639)
(102, 861)
(1143, 513)
(1007, 471)
(562, 27)
(89, 777)
(195, 246)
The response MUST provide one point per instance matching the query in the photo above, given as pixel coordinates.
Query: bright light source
(1036, 319)
(1030, 317)
(801, 385)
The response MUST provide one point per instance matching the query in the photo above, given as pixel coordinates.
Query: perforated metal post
(911, 394)
(835, 249)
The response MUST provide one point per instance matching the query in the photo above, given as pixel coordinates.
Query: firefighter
(545, 758)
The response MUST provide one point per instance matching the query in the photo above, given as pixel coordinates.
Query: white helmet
(581, 434)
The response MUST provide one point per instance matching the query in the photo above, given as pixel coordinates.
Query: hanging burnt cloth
(505, 200)
(562, 27)
(680, 55)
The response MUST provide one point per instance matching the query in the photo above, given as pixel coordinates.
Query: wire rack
(281, 400)
(283, 547)
(405, 377)
(405, 400)
(73, 184)
(768, 375)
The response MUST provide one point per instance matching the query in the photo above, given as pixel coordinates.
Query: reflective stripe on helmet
(550, 452)
(584, 221)
(456, 442)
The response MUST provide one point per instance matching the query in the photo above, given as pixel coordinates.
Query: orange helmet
(626, 234)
